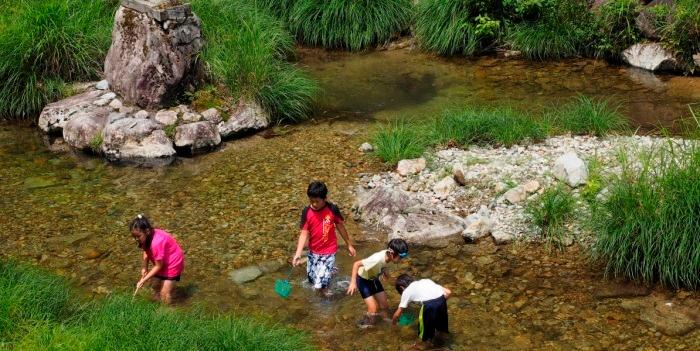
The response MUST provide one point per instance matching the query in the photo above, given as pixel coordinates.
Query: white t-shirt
(372, 265)
(419, 291)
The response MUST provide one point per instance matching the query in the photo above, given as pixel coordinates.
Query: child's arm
(303, 237)
(346, 237)
(144, 265)
(447, 292)
(397, 314)
(353, 278)
(157, 265)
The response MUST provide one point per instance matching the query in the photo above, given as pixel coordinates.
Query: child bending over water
(163, 251)
(365, 278)
(433, 311)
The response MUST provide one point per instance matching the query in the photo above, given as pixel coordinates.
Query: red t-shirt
(321, 227)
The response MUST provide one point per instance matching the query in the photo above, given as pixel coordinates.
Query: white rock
(189, 117)
(101, 102)
(478, 224)
(247, 117)
(650, 56)
(108, 96)
(366, 147)
(501, 237)
(531, 186)
(571, 169)
(515, 195)
(413, 166)
(166, 117)
(143, 114)
(115, 104)
(444, 187)
(211, 115)
(102, 85)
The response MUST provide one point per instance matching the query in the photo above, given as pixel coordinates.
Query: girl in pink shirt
(163, 251)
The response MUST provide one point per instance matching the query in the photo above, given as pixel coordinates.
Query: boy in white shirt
(365, 278)
(433, 300)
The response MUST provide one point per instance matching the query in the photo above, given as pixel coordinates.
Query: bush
(347, 24)
(648, 224)
(550, 211)
(46, 42)
(589, 116)
(401, 140)
(682, 32)
(247, 50)
(616, 27)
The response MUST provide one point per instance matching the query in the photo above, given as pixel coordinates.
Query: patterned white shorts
(320, 269)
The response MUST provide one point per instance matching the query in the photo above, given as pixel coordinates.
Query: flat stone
(245, 274)
(620, 290)
(197, 136)
(55, 115)
(189, 117)
(412, 166)
(39, 182)
(432, 230)
(166, 117)
(134, 139)
(142, 114)
(272, 266)
(531, 186)
(101, 102)
(108, 96)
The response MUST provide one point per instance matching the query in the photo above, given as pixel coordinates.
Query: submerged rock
(668, 319)
(650, 56)
(247, 117)
(617, 290)
(134, 139)
(245, 274)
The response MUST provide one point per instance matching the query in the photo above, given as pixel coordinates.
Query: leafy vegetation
(682, 32)
(584, 115)
(39, 312)
(550, 211)
(616, 28)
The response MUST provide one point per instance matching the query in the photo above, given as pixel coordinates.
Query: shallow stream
(240, 206)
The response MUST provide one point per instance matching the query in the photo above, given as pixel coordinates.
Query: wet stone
(245, 274)
(625, 289)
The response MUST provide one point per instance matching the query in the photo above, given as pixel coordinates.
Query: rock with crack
(246, 117)
(196, 137)
(131, 139)
(375, 204)
(55, 115)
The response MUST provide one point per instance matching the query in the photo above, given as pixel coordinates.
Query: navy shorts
(176, 278)
(433, 316)
(368, 287)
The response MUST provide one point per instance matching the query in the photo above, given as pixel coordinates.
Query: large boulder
(571, 169)
(650, 56)
(427, 229)
(153, 52)
(132, 139)
(84, 131)
(375, 204)
(198, 136)
(246, 117)
(55, 115)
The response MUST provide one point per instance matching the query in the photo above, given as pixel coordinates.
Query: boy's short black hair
(317, 190)
(399, 247)
(402, 282)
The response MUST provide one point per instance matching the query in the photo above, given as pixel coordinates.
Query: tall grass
(647, 227)
(589, 116)
(37, 315)
(616, 27)
(682, 32)
(44, 43)
(247, 50)
(550, 211)
(400, 140)
(447, 27)
(348, 24)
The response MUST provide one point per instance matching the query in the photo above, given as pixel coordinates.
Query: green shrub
(449, 27)
(501, 126)
(46, 42)
(682, 32)
(647, 227)
(616, 27)
(247, 50)
(550, 211)
(589, 116)
(400, 140)
(348, 24)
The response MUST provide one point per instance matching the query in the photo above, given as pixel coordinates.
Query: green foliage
(527, 9)
(46, 42)
(170, 131)
(247, 50)
(35, 315)
(616, 27)
(401, 140)
(648, 224)
(347, 24)
(96, 143)
(589, 116)
(210, 96)
(682, 32)
(550, 211)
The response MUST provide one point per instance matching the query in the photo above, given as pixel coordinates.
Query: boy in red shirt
(318, 223)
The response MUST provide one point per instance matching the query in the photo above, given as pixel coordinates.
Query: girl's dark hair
(317, 190)
(142, 224)
(402, 282)
(398, 247)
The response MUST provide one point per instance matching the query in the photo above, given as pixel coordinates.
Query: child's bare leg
(383, 304)
(157, 286)
(372, 304)
(166, 293)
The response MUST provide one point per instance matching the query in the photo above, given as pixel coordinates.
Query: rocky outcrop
(650, 56)
(132, 139)
(84, 131)
(196, 137)
(246, 117)
(55, 115)
(153, 51)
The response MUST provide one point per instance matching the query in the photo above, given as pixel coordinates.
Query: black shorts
(176, 278)
(369, 288)
(433, 316)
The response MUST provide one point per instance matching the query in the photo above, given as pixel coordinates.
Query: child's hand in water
(351, 251)
(352, 288)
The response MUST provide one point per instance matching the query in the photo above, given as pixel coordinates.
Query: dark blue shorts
(433, 317)
(369, 288)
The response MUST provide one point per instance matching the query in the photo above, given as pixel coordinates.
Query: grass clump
(647, 226)
(44, 43)
(96, 143)
(400, 140)
(346, 24)
(246, 51)
(550, 212)
(616, 29)
(587, 116)
(36, 314)
(682, 32)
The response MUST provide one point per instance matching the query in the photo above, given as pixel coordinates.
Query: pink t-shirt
(164, 248)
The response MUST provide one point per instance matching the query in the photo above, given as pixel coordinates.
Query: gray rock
(413, 166)
(245, 118)
(189, 117)
(373, 205)
(115, 116)
(428, 229)
(147, 64)
(245, 274)
(136, 139)
(108, 96)
(166, 117)
(212, 116)
(515, 195)
(55, 115)
(102, 85)
(366, 147)
(478, 225)
(142, 114)
(668, 319)
(650, 56)
(100, 102)
(272, 266)
(571, 169)
(501, 237)
(197, 136)
(531, 186)
(444, 187)
(80, 132)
